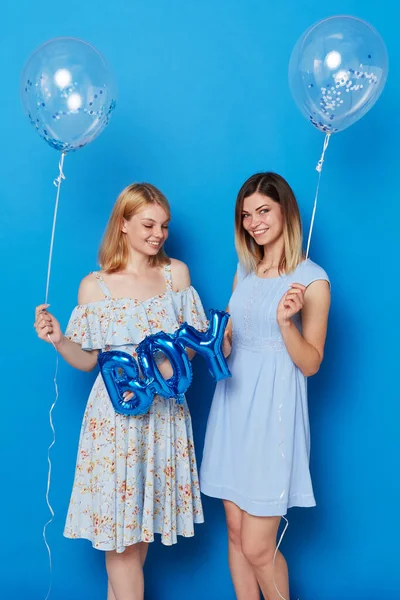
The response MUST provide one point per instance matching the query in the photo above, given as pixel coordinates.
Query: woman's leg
(125, 573)
(143, 552)
(243, 577)
(110, 593)
(259, 536)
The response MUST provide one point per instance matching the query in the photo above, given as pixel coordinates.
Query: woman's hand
(290, 304)
(45, 325)
(306, 348)
(166, 371)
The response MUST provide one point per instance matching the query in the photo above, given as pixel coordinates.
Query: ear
(123, 225)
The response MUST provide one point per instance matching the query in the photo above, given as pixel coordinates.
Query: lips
(153, 244)
(259, 232)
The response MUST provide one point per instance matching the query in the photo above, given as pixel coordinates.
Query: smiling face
(147, 230)
(262, 219)
(267, 218)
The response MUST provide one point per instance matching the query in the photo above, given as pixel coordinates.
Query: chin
(152, 251)
(147, 251)
(261, 241)
(265, 240)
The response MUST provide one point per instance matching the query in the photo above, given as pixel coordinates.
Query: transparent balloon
(68, 92)
(337, 72)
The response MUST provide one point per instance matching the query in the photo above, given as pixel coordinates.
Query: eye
(264, 211)
(148, 226)
(245, 216)
(165, 227)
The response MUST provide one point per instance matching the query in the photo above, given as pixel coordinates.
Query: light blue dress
(135, 476)
(257, 444)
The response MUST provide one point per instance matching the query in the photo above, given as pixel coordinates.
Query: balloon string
(280, 446)
(57, 182)
(275, 555)
(49, 471)
(319, 169)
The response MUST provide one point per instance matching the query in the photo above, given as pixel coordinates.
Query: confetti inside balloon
(337, 72)
(68, 93)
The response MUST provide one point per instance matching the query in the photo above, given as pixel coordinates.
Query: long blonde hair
(114, 249)
(275, 187)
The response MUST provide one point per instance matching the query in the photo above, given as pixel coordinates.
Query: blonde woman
(256, 455)
(135, 476)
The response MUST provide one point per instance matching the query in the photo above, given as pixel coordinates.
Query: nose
(158, 233)
(255, 221)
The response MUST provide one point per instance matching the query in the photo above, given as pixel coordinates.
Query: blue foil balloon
(68, 92)
(121, 374)
(209, 343)
(337, 72)
(179, 382)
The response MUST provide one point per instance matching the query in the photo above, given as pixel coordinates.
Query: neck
(138, 263)
(273, 253)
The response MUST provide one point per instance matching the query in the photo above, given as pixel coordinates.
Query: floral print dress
(135, 476)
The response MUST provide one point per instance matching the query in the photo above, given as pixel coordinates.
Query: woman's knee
(258, 553)
(234, 535)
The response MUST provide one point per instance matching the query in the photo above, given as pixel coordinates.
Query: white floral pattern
(135, 476)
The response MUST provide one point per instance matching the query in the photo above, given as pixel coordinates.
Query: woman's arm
(227, 344)
(84, 360)
(306, 349)
(180, 275)
(47, 325)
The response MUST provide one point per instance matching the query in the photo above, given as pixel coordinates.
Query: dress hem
(257, 508)
(119, 549)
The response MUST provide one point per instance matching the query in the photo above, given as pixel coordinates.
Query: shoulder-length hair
(275, 187)
(114, 250)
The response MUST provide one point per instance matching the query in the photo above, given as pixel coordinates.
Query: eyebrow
(259, 208)
(153, 221)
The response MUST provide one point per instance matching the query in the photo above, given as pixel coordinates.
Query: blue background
(204, 103)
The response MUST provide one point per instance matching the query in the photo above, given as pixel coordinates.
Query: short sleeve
(191, 309)
(84, 328)
(309, 272)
